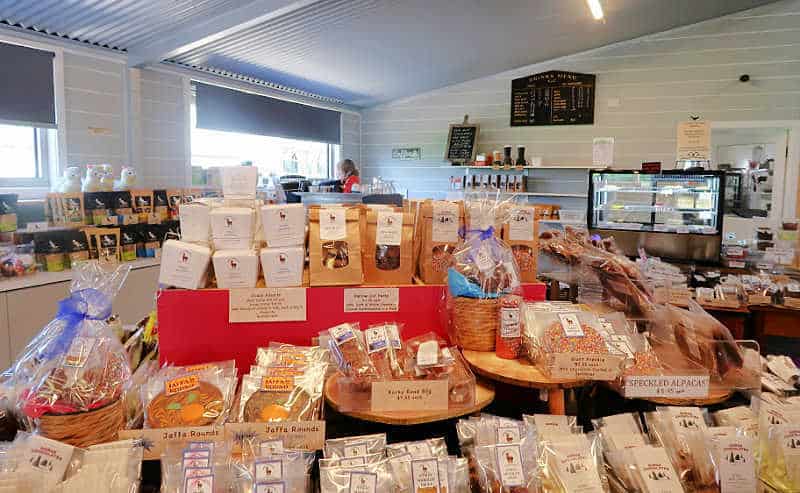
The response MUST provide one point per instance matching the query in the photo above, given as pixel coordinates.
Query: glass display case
(646, 207)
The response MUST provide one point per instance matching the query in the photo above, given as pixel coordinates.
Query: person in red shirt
(349, 174)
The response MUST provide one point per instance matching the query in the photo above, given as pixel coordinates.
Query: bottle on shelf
(507, 161)
(521, 162)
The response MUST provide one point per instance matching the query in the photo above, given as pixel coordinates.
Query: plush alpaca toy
(127, 179)
(71, 181)
(91, 183)
(107, 178)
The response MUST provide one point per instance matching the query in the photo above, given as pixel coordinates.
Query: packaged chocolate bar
(161, 205)
(50, 249)
(142, 203)
(77, 246)
(99, 207)
(174, 199)
(129, 237)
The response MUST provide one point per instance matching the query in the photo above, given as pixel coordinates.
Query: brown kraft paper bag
(521, 233)
(388, 244)
(440, 223)
(335, 246)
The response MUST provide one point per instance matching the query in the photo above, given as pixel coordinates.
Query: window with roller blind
(27, 116)
(230, 127)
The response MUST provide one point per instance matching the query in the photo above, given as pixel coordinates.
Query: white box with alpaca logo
(236, 268)
(184, 265)
(232, 228)
(283, 225)
(283, 267)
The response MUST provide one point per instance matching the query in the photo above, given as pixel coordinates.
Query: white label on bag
(353, 461)
(484, 260)
(363, 482)
(48, 458)
(419, 450)
(508, 435)
(656, 470)
(445, 222)
(571, 325)
(332, 224)
(271, 487)
(394, 336)
(425, 475)
(376, 339)
(509, 322)
(389, 229)
(342, 333)
(355, 450)
(687, 419)
(200, 484)
(271, 447)
(268, 470)
(577, 469)
(737, 465)
(509, 461)
(428, 353)
(79, 351)
(520, 227)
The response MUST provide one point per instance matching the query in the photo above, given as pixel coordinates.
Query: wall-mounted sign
(602, 152)
(461, 143)
(407, 153)
(694, 141)
(553, 98)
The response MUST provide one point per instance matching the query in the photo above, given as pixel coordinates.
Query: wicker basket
(83, 429)
(475, 322)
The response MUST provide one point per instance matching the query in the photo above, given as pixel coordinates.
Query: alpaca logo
(52, 246)
(332, 216)
(575, 468)
(108, 241)
(793, 443)
(175, 200)
(127, 237)
(736, 458)
(151, 236)
(142, 201)
(268, 471)
(445, 219)
(424, 468)
(521, 218)
(282, 258)
(122, 203)
(689, 424)
(5, 207)
(233, 264)
(363, 481)
(508, 437)
(77, 245)
(185, 257)
(509, 457)
(659, 476)
(99, 203)
(774, 420)
(228, 222)
(282, 215)
(389, 220)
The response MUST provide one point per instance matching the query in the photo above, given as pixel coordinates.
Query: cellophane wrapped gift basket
(71, 377)
(482, 272)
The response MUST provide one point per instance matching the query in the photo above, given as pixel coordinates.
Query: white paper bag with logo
(573, 464)
(283, 266)
(232, 228)
(236, 268)
(506, 468)
(184, 265)
(283, 225)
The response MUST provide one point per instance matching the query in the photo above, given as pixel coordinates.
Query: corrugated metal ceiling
(364, 51)
(116, 24)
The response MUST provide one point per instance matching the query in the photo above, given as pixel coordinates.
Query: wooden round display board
(521, 373)
(484, 395)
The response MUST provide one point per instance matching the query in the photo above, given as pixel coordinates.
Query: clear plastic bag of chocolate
(682, 431)
(350, 354)
(278, 353)
(70, 378)
(286, 473)
(430, 474)
(619, 434)
(367, 478)
(382, 352)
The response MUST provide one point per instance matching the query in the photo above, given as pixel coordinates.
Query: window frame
(42, 152)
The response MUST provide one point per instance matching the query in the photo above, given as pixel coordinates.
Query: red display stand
(193, 326)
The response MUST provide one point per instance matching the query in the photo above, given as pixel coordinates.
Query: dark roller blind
(228, 110)
(26, 86)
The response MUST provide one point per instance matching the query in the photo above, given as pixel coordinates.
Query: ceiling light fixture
(596, 8)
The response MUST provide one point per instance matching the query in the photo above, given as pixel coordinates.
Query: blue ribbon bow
(85, 304)
(485, 234)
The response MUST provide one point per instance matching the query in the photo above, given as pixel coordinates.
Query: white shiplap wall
(94, 111)
(644, 88)
(351, 137)
(160, 120)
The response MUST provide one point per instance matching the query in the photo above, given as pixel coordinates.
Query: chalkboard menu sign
(553, 98)
(461, 143)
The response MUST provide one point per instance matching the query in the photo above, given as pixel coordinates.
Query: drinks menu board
(553, 98)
